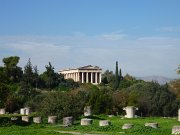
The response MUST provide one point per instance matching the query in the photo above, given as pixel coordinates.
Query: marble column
(77, 77)
(82, 77)
(99, 77)
(91, 77)
(96, 78)
(87, 78)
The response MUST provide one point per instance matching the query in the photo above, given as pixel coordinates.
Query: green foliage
(151, 98)
(100, 100)
(61, 104)
(108, 78)
(50, 78)
(11, 73)
(4, 93)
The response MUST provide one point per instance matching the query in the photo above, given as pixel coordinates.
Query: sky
(142, 35)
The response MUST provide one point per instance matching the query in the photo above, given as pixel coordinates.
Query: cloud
(170, 29)
(140, 57)
(113, 36)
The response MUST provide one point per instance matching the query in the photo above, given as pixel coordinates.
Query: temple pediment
(89, 67)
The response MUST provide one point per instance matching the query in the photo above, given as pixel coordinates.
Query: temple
(86, 74)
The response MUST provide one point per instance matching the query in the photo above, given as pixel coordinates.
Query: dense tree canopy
(50, 94)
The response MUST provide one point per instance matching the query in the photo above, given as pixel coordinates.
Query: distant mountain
(159, 79)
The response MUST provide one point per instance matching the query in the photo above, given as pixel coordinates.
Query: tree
(28, 75)
(12, 73)
(116, 84)
(108, 78)
(50, 78)
(178, 70)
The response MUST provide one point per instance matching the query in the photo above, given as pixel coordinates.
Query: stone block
(86, 121)
(52, 119)
(37, 120)
(130, 111)
(127, 126)
(176, 130)
(87, 111)
(2, 111)
(153, 125)
(104, 123)
(25, 118)
(68, 121)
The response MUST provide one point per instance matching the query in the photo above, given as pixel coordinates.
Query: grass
(165, 127)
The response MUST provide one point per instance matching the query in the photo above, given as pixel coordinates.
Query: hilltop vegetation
(50, 94)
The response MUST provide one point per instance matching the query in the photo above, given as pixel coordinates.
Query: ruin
(153, 125)
(37, 120)
(25, 111)
(86, 74)
(2, 111)
(87, 111)
(68, 121)
(127, 126)
(176, 130)
(52, 119)
(130, 111)
(104, 123)
(86, 121)
(25, 118)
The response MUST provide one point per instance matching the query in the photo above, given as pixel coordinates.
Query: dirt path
(76, 133)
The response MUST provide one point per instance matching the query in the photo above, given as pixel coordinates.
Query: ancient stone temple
(86, 74)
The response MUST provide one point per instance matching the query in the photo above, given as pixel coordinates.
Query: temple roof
(90, 67)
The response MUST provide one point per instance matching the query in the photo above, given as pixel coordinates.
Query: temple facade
(86, 74)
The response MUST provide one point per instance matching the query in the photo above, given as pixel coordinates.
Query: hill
(159, 79)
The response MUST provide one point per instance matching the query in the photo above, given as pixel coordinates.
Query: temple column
(77, 77)
(74, 77)
(91, 77)
(96, 78)
(99, 77)
(87, 78)
(82, 77)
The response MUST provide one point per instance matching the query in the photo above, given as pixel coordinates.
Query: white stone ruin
(25, 111)
(37, 120)
(52, 119)
(130, 111)
(179, 115)
(67, 121)
(127, 126)
(104, 123)
(176, 130)
(87, 111)
(86, 121)
(152, 125)
(25, 118)
(2, 111)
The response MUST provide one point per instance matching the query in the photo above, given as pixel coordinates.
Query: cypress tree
(116, 85)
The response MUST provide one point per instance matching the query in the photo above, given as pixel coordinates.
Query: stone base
(86, 121)
(87, 111)
(153, 125)
(67, 121)
(127, 126)
(37, 120)
(52, 119)
(2, 111)
(176, 130)
(25, 118)
(104, 123)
